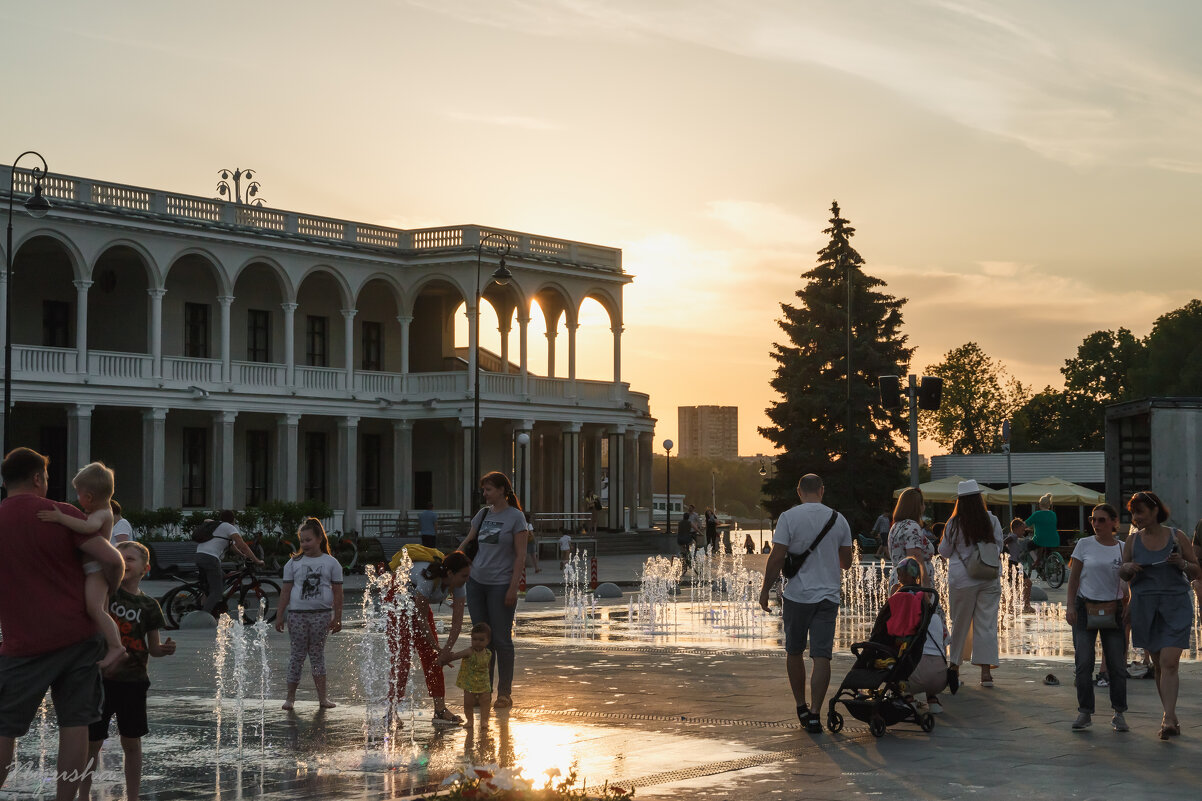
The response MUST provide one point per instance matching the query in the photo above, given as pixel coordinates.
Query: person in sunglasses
(1159, 564)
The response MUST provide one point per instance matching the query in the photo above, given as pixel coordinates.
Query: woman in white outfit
(973, 602)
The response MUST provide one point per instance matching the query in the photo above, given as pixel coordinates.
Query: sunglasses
(1101, 520)
(1146, 498)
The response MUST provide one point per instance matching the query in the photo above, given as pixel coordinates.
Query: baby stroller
(872, 690)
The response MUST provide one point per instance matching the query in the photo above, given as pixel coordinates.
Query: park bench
(381, 549)
(175, 558)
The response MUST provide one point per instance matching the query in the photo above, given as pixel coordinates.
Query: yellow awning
(1064, 493)
(942, 491)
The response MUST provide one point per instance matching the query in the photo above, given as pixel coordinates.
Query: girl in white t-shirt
(311, 605)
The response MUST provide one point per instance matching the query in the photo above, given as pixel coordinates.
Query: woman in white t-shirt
(1094, 578)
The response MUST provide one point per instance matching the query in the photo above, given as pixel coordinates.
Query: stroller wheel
(927, 722)
(877, 727)
(834, 722)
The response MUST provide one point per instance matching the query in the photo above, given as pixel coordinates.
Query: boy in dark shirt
(139, 619)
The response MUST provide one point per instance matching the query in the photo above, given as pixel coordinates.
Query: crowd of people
(1137, 589)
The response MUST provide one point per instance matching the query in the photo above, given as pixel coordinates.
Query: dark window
(373, 346)
(258, 467)
(315, 466)
(369, 472)
(196, 330)
(56, 324)
(317, 351)
(258, 335)
(196, 466)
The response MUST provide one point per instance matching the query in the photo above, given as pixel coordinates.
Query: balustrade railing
(192, 207)
(194, 371)
(108, 364)
(321, 378)
(547, 387)
(28, 359)
(378, 383)
(259, 374)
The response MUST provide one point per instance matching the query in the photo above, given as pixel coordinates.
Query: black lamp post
(37, 206)
(502, 276)
(523, 441)
(668, 470)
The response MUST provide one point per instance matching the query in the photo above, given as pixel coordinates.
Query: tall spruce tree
(811, 420)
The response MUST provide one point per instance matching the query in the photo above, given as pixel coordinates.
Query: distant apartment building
(708, 432)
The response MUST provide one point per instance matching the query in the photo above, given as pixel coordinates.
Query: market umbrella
(1064, 493)
(942, 490)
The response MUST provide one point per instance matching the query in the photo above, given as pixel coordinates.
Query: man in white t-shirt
(210, 553)
(811, 597)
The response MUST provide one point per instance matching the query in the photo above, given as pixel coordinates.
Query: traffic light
(930, 392)
(890, 386)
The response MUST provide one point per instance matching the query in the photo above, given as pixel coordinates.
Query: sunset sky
(1024, 172)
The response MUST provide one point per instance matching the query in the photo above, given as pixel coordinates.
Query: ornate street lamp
(37, 206)
(234, 192)
(501, 276)
(523, 441)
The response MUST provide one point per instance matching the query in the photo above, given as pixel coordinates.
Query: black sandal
(814, 723)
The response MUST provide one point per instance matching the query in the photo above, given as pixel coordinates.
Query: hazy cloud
(505, 121)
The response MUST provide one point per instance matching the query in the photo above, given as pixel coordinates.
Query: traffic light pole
(913, 393)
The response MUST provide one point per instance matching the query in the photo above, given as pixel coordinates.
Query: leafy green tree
(1044, 423)
(1171, 364)
(978, 394)
(862, 466)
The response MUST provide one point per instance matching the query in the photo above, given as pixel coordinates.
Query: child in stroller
(890, 667)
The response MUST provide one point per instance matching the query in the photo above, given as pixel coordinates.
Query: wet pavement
(670, 717)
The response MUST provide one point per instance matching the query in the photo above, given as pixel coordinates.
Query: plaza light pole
(1009, 477)
(37, 206)
(523, 441)
(668, 471)
(502, 277)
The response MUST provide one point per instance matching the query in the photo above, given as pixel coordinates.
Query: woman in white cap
(972, 542)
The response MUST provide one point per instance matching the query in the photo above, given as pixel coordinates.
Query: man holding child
(50, 642)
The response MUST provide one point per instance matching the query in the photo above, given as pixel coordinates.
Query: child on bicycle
(94, 486)
(311, 604)
(473, 673)
(126, 685)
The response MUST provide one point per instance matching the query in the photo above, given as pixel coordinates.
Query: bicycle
(189, 596)
(345, 549)
(1051, 567)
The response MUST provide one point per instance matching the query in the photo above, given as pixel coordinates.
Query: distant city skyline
(1024, 173)
(708, 432)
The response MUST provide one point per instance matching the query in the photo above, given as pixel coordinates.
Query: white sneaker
(1083, 721)
(935, 706)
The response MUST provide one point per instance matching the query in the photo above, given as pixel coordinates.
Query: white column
(504, 329)
(630, 477)
(571, 467)
(289, 343)
(226, 302)
(79, 437)
(402, 465)
(154, 457)
(572, 326)
(156, 332)
(348, 472)
(551, 334)
(288, 457)
(472, 339)
(523, 363)
(348, 346)
(404, 320)
(223, 458)
(617, 332)
(617, 477)
(468, 485)
(81, 325)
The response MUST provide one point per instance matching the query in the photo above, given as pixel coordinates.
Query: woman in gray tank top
(492, 591)
(1159, 563)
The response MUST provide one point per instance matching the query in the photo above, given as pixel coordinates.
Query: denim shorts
(803, 620)
(71, 675)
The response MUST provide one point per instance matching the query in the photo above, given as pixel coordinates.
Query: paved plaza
(671, 720)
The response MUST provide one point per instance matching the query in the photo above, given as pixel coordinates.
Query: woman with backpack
(972, 544)
(430, 582)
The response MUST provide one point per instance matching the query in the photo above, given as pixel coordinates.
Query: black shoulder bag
(793, 562)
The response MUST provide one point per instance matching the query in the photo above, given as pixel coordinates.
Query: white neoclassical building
(220, 355)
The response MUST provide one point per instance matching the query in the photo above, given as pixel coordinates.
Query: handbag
(1101, 615)
(984, 561)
